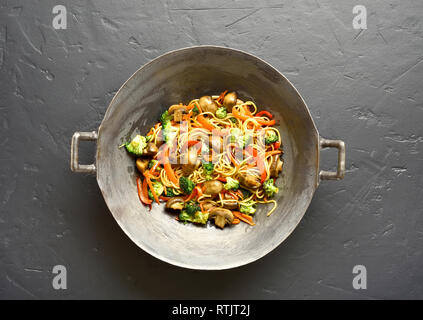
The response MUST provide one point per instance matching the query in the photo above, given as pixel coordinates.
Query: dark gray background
(364, 87)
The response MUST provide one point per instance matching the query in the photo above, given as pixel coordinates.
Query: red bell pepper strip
(266, 113)
(142, 192)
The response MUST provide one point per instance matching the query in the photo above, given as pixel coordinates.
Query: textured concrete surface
(361, 86)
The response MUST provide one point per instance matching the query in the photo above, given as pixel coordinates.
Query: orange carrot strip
(246, 216)
(242, 218)
(266, 122)
(236, 221)
(238, 115)
(271, 153)
(168, 168)
(203, 121)
(150, 184)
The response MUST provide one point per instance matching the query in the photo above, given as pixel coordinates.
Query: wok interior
(179, 77)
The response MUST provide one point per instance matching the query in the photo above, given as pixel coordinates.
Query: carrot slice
(241, 217)
(206, 124)
(168, 168)
(271, 153)
(150, 184)
(236, 221)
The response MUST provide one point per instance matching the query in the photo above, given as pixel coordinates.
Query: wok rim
(223, 266)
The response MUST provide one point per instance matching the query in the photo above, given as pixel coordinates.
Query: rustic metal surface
(363, 86)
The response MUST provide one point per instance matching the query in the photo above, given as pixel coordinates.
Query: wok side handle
(75, 166)
(340, 172)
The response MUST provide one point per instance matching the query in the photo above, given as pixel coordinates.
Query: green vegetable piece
(137, 145)
(186, 185)
(170, 192)
(240, 139)
(248, 207)
(208, 168)
(165, 118)
(192, 207)
(151, 163)
(221, 113)
(245, 193)
(158, 188)
(270, 137)
(269, 188)
(197, 217)
(231, 184)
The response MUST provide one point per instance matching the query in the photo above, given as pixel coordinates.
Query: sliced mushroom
(207, 104)
(176, 107)
(175, 203)
(142, 164)
(207, 206)
(276, 166)
(230, 100)
(249, 180)
(212, 187)
(191, 161)
(230, 204)
(221, 216)
(150, 150)
(177, 110)
(177, 116)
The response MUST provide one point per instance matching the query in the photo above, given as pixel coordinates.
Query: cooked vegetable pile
(214, 159)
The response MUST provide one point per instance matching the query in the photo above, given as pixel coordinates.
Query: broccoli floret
(137, 145)
(158, 188)
(231, 184)
(208, 168)
(184, 216)
(237, 137)
(233, 120)
(186, 185)
(269, 188)
(151, 163)
(270, 137)
(192, 213)
(245, 193)
(170, 192)
(169, 132)
(195, 110)
(221, 113)
(165, 118)
(192, 207)
(235, 133)
(200, 217)
(248, 207)
(197, 217)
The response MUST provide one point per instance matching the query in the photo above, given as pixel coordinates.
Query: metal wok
(180, 76)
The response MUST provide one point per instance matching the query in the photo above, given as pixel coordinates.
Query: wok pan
(180, 76)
